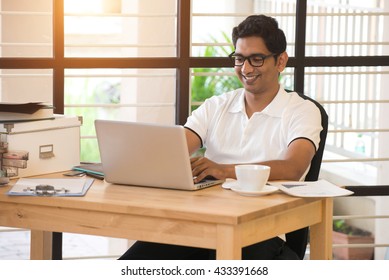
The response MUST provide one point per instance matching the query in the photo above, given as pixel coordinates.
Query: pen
(293, 185)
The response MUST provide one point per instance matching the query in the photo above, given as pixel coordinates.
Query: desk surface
(203, 218)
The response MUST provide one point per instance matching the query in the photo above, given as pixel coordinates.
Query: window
(102, 28)
(26, 28)
(143, 95)
(119, 29)
(18, 42)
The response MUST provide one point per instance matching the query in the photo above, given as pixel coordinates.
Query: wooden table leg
(41, 245)
(321, 234)
(228, 243)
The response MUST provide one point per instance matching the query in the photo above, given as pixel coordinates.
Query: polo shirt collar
(238, 105)
(274, 109)
(278, 104)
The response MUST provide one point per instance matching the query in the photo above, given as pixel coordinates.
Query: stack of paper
(51, 187)
(19, 112)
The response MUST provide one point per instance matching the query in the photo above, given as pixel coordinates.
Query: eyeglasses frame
(231, 56)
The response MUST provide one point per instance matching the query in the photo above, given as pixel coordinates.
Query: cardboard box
(40, 147)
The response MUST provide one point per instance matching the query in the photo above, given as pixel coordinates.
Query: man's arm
(193, 141)
(291, 166)
(294, 163)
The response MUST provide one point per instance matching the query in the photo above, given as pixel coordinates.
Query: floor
(15, 245)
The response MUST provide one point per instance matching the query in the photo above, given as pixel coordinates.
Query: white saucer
(266, 190)
(229, 183)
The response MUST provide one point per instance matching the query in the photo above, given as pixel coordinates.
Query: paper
(21, 112)
(25, 108)
(51, 187)
(320, 188)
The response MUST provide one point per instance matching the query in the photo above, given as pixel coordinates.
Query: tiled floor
(15, 245)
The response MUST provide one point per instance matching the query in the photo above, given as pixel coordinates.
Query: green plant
(343, 227)
(207, 82)
(95, 91)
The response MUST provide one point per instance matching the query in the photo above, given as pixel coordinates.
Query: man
(260, 123)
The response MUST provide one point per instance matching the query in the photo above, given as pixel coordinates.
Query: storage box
(40, 147)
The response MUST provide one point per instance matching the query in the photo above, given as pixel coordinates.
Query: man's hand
(203, 167)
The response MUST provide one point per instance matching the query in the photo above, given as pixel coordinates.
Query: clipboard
(51, 187)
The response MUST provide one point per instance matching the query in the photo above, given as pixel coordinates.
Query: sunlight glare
(83, 6)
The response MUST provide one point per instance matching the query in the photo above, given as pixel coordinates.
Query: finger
(199, 166)
(198, 169)
(201, 176)
(194, 159)
(196, 162)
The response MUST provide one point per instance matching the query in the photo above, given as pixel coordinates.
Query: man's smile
(251, 78)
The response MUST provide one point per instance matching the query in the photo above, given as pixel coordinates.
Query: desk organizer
(39, 147)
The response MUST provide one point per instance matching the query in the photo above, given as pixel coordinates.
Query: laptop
(143, 154)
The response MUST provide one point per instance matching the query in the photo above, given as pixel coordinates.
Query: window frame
(183, 62)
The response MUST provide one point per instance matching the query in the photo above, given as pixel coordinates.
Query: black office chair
(297, 240)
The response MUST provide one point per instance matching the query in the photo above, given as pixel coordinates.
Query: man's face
(257, 79)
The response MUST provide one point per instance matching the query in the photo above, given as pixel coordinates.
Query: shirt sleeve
(199, 120)
(305, 122)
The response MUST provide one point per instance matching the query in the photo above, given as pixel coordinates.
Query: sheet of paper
(25, 108)
(320, 188)
(62, 187)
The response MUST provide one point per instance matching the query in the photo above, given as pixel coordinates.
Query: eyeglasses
(255, 60)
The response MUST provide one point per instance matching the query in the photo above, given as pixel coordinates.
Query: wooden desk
(209, 218)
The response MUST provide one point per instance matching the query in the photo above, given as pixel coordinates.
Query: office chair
(297, 240)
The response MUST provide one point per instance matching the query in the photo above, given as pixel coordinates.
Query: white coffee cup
(252, 177)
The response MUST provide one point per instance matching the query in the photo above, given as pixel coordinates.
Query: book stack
(21, 112)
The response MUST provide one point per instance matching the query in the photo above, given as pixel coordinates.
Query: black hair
(264, 27)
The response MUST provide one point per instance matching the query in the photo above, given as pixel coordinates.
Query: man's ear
(282, 61)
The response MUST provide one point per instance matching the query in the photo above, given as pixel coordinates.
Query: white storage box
(40, 147)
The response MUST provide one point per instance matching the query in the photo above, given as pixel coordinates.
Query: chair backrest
(313, 173)
(297, 240)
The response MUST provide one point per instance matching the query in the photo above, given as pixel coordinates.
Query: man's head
(264, 27)
(259, 55)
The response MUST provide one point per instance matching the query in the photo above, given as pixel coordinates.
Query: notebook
(91, 169)
(142, 154)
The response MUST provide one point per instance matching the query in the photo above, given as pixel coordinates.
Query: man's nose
(246, 67)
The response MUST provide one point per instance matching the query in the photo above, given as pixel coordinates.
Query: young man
(260, 123)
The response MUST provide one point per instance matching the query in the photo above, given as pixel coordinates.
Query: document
(320, 188)
(20, 112)
(51, 187)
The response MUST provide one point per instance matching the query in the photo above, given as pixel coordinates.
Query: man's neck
(257, 102)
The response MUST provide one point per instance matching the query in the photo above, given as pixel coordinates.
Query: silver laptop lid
(144, 154)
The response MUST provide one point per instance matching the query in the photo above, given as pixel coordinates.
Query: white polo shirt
(231, 137)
